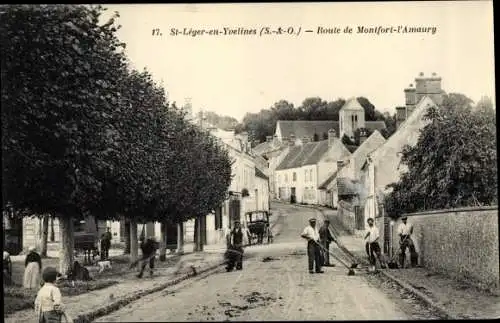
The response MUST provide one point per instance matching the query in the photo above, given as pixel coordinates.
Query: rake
(350, 272)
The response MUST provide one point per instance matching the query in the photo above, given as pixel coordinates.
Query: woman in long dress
(33, 267)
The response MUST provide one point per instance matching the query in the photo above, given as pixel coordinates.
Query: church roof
(306, 128)
(352, 104)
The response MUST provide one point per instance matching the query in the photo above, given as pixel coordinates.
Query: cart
(258, 228)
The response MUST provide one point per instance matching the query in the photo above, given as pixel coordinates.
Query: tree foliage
(453, 164)
(83, 134)
(60, 72)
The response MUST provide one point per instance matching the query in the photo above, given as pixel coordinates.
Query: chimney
(269, 138)
(362, 136)
(291, 141)
(332, 134)
(340, 164)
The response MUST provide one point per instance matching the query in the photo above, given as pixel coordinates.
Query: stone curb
(439, 308)
(124, 301)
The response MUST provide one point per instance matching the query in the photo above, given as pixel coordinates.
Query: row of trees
(83, 134)
(454, 162)
(262, 124)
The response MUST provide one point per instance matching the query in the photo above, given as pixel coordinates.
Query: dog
(103, 264)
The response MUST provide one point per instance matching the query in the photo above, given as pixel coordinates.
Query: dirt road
(274, 285)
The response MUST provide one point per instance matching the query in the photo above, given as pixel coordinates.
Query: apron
(32, 276)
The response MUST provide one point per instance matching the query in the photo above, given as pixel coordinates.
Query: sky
(235, 74)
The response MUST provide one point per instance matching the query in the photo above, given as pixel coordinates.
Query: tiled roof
(373, 142)
(261, 148)
(304, 154)
(289, 158)
(260, 174)
(309, 154)
(352, 104)
(330, 179)
(306, 128)
(319, 150)
(375, 125)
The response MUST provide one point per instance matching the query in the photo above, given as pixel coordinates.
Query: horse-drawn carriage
(258, 228)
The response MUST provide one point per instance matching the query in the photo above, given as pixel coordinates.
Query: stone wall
(461, 243)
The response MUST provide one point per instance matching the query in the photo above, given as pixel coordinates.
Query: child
(48, 302)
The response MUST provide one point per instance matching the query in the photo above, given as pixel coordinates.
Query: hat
(312, 220)
(404, 217)
(49, 274)
(370, 219)
(326, 220)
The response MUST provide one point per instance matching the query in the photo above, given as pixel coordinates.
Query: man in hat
(405, 230)
(311, 234)
(235, 250)
(372, 246)
(325, 238)
(106, 244)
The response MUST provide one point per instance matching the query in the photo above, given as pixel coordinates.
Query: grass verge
(17, 298)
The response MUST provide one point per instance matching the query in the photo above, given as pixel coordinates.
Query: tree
(59, 77)
(390, 123)
(453, 164)
(347, 141)
(357, 133)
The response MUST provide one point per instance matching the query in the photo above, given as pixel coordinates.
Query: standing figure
(311, 234)
(325, 238)
(105, 244)
(372, 246)
(7, 268)
(48, 302)
(405, 230)
(148, 248)
(235, 250)
(32, 270)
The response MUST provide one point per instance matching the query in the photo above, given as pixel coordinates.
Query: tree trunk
(203, 234)
(134, 245)
(66, 256)
(180, 238)
(163, 241)
(45, 236)
(196, 235)
(127, 235)
(52, 231)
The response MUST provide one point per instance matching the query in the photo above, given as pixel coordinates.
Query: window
(294, 176)
(352, 122)
(305, 175)
(286, 178)
(310, 175)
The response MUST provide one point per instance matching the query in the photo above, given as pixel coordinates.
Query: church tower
(351, 117)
